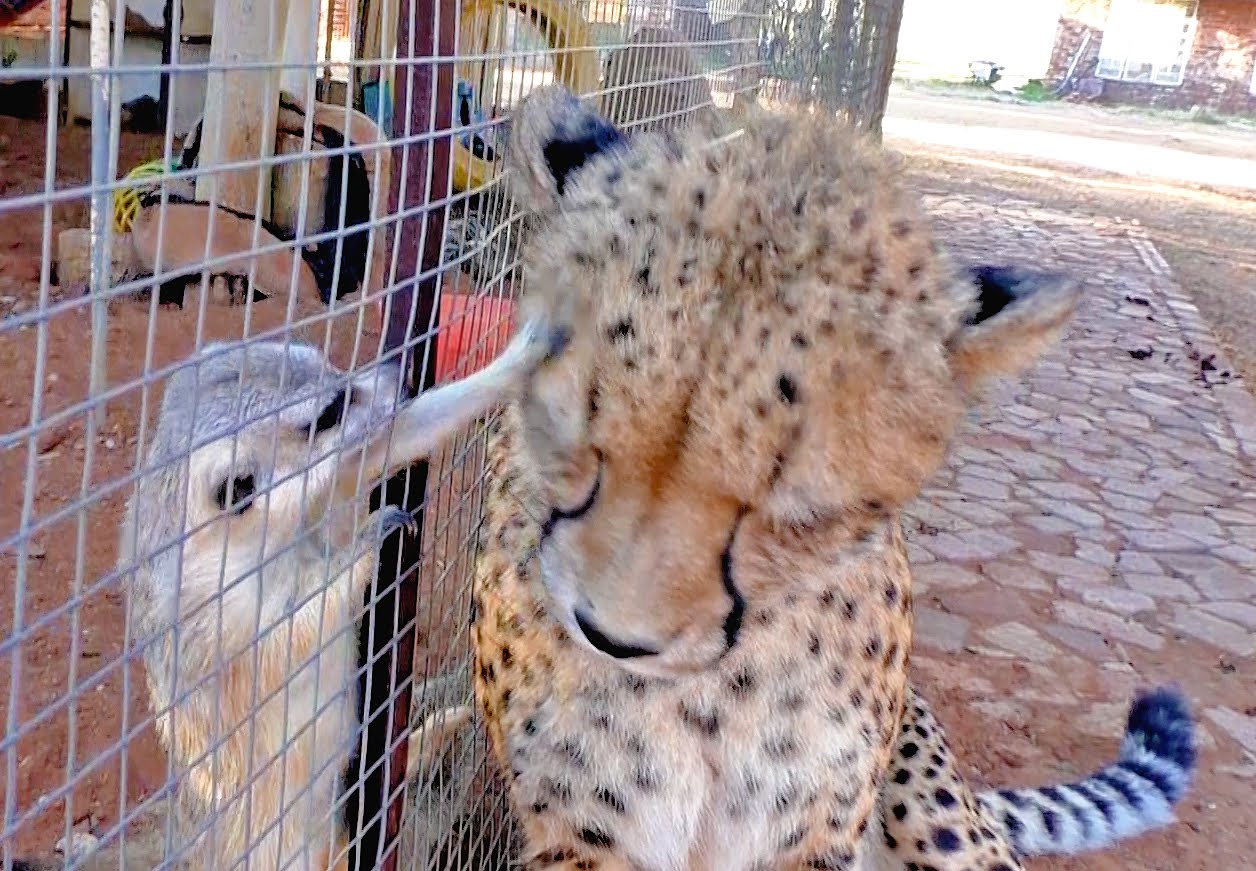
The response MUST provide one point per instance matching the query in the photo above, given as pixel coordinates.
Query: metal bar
(167, 39)
(63, 90)
(101, 273)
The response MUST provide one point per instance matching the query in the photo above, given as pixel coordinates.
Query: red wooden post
(421, 171)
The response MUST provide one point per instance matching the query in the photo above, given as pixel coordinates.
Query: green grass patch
(1035, 91)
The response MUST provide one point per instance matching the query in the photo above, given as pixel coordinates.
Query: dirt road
(1124, 144)
(1060, 156)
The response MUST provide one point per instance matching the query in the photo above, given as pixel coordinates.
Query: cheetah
(692, 612)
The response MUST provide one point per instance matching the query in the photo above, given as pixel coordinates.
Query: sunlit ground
(1017, 132)
(1207, 235)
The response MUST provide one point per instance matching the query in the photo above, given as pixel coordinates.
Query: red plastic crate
(473, 331)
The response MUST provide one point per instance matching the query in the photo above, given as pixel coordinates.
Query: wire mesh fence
(231, 233)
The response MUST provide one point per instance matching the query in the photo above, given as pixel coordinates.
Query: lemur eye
(333, 413)
(236, 494)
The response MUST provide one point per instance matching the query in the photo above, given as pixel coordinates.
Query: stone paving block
(1233, 517)
(1142, 521)
(1245, 770)
(1014, 573)
(930, 512)
(1066, 490)
(1103, 537)
(1242, 536)
(957, 675)
(1050, 523)
(1110, 597)
(1212, 576)
(938, 629)
(982, 488)
(1242, 613)
(1001, 710)
(1196, 496)
(1127, 503)
(977, 604)
(980, 513)
(1096, 554)
(946, 576)
(1240, 727)
(1070, 511)
(1195, 523)
(1106, 507)
(974, 544)
(1035, 541)
(1018, 638)
(1136, 561)
(917, 556)
(1124, 486)
(1166, 540)
(1070, 569)
(1160, 585)
(1108, 624)
(1087, 642)
(1040, 694)
(990, 468)
(1240, 555)
(1103, 720)
(1221, 633)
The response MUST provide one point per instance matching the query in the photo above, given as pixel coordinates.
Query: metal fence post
(101, 270)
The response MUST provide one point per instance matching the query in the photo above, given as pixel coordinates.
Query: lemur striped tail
(1133, 795)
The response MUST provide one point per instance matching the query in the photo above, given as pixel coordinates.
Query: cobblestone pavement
(1095, 533)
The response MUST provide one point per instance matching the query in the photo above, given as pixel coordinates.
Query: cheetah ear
(552, 135)
(1017, 315)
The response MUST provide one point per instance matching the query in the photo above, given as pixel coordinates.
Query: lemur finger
(392, 518)
(427, 422)
(431, 738)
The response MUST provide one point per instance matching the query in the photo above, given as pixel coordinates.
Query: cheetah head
(768, 356)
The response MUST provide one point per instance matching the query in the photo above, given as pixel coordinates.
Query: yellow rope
(126, 200)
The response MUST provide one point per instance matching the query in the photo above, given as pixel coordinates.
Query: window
(1147, 41)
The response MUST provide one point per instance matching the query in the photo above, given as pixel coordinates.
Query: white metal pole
(101, 214)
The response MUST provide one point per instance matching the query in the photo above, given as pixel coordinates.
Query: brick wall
(1218, 74)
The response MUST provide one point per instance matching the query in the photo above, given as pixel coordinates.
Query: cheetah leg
(929, 816)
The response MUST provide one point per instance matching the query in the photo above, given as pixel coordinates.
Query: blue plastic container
(370, 105)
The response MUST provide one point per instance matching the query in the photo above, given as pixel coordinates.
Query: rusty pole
(423, 103)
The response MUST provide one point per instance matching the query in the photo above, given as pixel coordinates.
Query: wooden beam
(241, 106)
(300, 51)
